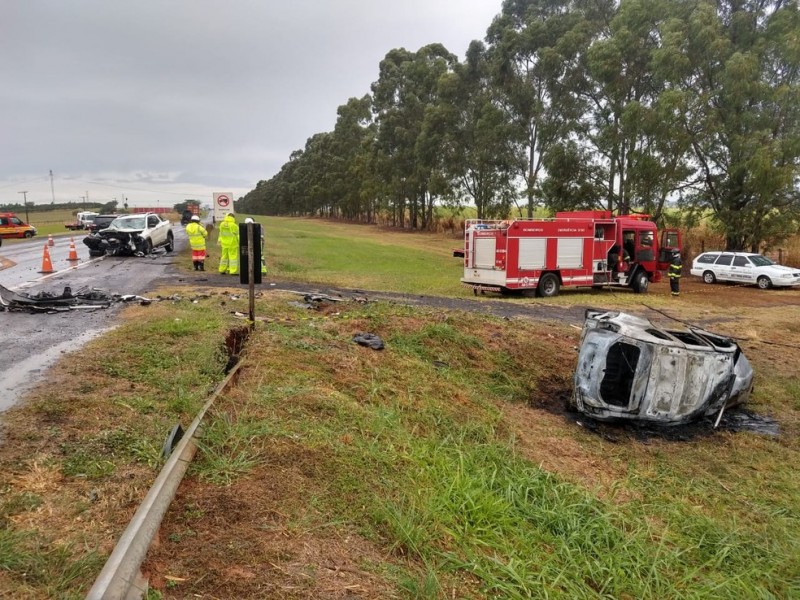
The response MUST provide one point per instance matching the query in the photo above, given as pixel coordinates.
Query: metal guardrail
(120, 578)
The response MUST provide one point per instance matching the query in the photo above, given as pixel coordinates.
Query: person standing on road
(197, 240)
(229, 241)
(263, 258)
(674, 273)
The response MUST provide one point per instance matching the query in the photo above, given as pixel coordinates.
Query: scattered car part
(629, 369)
(83, 299)
(370, 340)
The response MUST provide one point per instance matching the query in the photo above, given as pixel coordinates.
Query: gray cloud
(179, 96)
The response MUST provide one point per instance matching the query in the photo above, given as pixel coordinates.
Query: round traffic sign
(223, 200)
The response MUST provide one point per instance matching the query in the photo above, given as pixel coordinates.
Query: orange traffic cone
(50, 241)
(73, 252)
(47, 265)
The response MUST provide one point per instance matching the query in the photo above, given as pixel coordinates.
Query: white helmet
(195, 218)
(249, 220)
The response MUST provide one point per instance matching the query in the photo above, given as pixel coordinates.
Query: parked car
(101, 222)
(11, 226)
(132, 235)
(743, 267)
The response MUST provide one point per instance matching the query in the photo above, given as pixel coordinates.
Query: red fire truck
(582, 248)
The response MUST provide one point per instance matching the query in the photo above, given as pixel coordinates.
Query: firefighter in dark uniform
(674, 273)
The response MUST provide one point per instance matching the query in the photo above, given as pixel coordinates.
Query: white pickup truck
(135, 235)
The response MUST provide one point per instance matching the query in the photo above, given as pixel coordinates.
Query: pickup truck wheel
(170, 242)
(764, 282)
(148, 247)
(709, 277)
(548, 286)
(640, 282)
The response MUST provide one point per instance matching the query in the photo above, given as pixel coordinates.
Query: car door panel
(741, 270)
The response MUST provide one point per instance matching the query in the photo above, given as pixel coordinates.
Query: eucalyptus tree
(630, 125)
(351, 144)
(479, 158)
(535, 48)
(733, 68)
(406, 90)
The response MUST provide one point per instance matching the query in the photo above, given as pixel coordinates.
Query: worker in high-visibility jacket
(229, 241)
(674, 273)
(197, 240)
(263, 258)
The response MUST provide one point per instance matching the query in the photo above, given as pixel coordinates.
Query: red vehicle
(11, 226)
(582, 248)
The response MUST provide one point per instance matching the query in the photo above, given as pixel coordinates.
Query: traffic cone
(73, 252)
(50, 241)
(47, 265)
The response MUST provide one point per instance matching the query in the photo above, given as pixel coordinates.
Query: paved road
(32, 342)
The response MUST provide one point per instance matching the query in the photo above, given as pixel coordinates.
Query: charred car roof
(630, 369)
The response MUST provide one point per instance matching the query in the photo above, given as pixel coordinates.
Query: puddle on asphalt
(27, 373)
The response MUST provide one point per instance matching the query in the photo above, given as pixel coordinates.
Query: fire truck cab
(581, 248)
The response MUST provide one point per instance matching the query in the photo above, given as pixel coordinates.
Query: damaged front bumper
(629, 369)
(116, 243)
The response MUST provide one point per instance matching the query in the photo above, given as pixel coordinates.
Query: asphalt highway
(32, 342)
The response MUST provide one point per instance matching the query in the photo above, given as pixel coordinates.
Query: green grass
(358, 256)
(439, 483)
(414, 449)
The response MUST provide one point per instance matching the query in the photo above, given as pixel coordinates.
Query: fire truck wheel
(640, 282)
(548, 286)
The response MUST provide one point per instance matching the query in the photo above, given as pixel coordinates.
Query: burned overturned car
(629, 369)
(132, 235)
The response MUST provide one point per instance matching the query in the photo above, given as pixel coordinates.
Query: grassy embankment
(439, 467)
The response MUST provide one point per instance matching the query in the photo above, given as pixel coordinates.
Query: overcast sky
(163, 100)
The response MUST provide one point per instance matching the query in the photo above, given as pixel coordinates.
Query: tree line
(631, 106)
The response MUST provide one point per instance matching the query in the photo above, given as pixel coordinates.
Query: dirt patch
(261, 539)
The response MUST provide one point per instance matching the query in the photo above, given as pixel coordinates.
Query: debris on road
(629, 369)
(46, 302)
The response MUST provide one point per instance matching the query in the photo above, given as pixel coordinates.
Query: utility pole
(52, 189)
(25, 201)
(84, 201)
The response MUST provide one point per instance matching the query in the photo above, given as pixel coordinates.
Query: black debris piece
(370, 340)
(46, 302)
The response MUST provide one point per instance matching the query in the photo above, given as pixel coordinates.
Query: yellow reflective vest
(228, 232)
(197, 235)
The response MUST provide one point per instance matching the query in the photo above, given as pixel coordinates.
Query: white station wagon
(743, 267)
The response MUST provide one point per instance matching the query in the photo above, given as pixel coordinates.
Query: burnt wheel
(548, 285)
